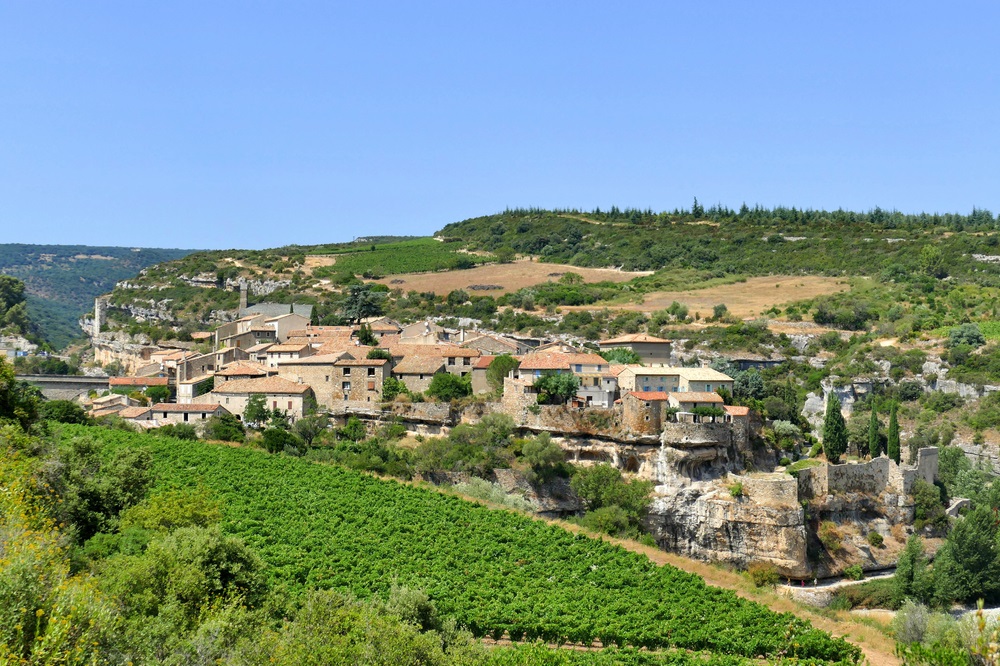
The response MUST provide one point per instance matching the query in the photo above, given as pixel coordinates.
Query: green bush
(762, 574)
(875, 539)
(854, 572)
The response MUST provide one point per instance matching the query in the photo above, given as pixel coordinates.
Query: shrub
(854, 572)
(225, 427)
(446, 386)
(875, 539)
(179, 430)
(830, 536)
(762, 574)
(736, 490)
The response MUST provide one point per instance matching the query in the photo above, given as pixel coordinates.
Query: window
(346, 386)
(451, 360)
(185, 417)
(579, 367)
(347, 372)
(289, 405)
(708, 388)
(371, 372)
(274, 404)
(421, 375)
(227, 400)
(646, 389)
(371, 387)
(466, 360)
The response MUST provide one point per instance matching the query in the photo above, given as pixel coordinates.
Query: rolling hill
(62, 281)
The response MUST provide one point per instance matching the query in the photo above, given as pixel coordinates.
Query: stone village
(720, 494)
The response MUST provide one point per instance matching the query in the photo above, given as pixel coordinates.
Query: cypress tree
(834, 430)
(892, 446)
(873, 444)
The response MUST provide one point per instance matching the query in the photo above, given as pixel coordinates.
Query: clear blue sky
(256, 124)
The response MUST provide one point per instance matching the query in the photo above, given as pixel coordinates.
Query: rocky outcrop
(711, 524)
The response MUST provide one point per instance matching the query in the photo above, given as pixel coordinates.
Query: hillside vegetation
(62, 281)
(492, 571)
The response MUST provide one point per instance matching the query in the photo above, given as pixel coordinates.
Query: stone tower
(100, 315)
(243, 295)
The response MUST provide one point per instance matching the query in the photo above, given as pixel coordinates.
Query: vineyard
(409, 256)
(495, 572)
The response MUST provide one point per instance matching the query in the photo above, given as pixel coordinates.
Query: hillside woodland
(62, 281)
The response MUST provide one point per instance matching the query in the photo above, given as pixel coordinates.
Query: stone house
(242, 370)
(598, 386)
(642, 412)
(417, 370)
(284, 324)
(170, 412)
(495, 344)
(690, 400)
(337, 377)
(287, 352)
(138, 415)
(227, 333)
(702, 380)
(479, 383)
(640, 378)
(652, 350)
(258, 353)
(279, 393)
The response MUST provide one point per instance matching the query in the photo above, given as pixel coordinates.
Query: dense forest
(62, 281)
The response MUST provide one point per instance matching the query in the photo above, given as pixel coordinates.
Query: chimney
(461, 335)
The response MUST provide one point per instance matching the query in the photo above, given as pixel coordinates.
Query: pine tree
(873, 444)
(834, 430)
(892, 446)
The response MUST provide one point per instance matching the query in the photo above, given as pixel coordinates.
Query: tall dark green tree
(361, 301)
(874, 446)
(892, 445)
(834, 430)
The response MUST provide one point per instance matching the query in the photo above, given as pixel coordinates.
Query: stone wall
(777, 489)
(874, 477)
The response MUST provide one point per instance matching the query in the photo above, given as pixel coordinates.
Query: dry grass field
(510, 277)
(744, 299)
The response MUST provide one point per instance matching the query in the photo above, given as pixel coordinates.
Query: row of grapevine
(495, 571)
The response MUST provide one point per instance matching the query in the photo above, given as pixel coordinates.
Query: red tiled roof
(650, 395)
(288, 347)
(267, 385)
(443, 351)
(137, 381)
(697, 396)
(315, 359)
(361, 362)
(483, 362)
(133, 412)
(559, 361)
(418, 365)
(242, 369)
(737, 410)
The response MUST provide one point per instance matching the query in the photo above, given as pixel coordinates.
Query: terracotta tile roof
(193, 407)
(242, 369)
(289, 347)
(616, 369)
(320, 331)
(633, 338)
(201, 335)
(259, 349)
(418, 365)
(316, 359)
(443, 351)
(697, 396)
(267, 385)
(360, 362)
(133, 412)
(737, 410)
(263, 329)
(703, 375)
(510, 344)
(483, 362)
(651, 395)
(559, 361)
(137, 381)
(643, 371)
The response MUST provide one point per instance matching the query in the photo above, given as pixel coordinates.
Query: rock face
(710, 524)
